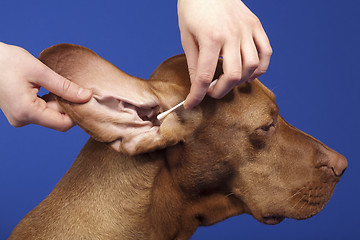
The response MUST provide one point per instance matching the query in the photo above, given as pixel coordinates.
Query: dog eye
(267, 127)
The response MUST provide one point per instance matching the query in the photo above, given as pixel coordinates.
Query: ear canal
(123, 109)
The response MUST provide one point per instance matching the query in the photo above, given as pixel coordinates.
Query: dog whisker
(305, 203)
(296, 193)
(298, 201)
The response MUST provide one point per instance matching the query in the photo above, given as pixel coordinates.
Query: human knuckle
(215, 38)
(192, 72)
(259, 72)
(66, 85)
(39, 70)
(255, 21)
(252, 21)
(19, 117)
(262, 71)
(204, 77)
(268, 51)
(252, 65)
(234, 76)
(64, 128)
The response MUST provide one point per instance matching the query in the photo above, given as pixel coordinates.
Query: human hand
(227, 28)
(21, 76)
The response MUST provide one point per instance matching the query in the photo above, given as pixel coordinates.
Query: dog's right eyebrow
(164, 114)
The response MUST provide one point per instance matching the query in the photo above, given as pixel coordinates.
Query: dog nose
(337, 163)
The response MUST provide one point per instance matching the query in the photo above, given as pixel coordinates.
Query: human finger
(264, 52)
(207, 62)
(52, 103)
(191, 52)
(48, 116)
(232, 68)
(250, 59)
(62, 87)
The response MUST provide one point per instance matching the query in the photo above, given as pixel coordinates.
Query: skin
(209, 29)
(221, 28)
(225, 157)
(21, 76)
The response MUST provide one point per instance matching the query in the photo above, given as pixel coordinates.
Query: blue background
(313, 72)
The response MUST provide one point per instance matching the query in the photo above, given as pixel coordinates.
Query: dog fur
(138, 178)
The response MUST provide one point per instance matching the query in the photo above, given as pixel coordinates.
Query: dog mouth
(272, 219)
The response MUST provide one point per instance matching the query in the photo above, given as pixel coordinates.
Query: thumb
(63, 87)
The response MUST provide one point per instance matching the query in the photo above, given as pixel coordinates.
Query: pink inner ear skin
(142, 114)
(123, 107)
(132, 125)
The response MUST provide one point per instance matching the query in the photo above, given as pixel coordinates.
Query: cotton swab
(164, 114)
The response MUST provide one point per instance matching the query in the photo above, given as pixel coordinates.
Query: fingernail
(185, 106)
(84, 93)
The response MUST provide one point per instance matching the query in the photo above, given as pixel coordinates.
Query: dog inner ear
(124, 125)
(123, 109)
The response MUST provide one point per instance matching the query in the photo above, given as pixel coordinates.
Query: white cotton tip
(164, 114)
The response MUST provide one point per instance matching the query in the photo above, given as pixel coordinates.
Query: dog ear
(267, 91)
(123, 109)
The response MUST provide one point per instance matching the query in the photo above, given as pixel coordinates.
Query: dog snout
(334, 163)
(337, 163)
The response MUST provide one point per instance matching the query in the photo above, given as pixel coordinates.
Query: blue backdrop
(313, 72)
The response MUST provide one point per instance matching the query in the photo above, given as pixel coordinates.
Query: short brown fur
(226, 157)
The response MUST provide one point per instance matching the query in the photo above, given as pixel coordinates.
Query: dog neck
(111, 189)
(140, 196)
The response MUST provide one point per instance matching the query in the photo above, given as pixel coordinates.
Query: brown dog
(196, 167)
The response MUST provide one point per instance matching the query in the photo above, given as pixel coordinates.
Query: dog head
(239, 146)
